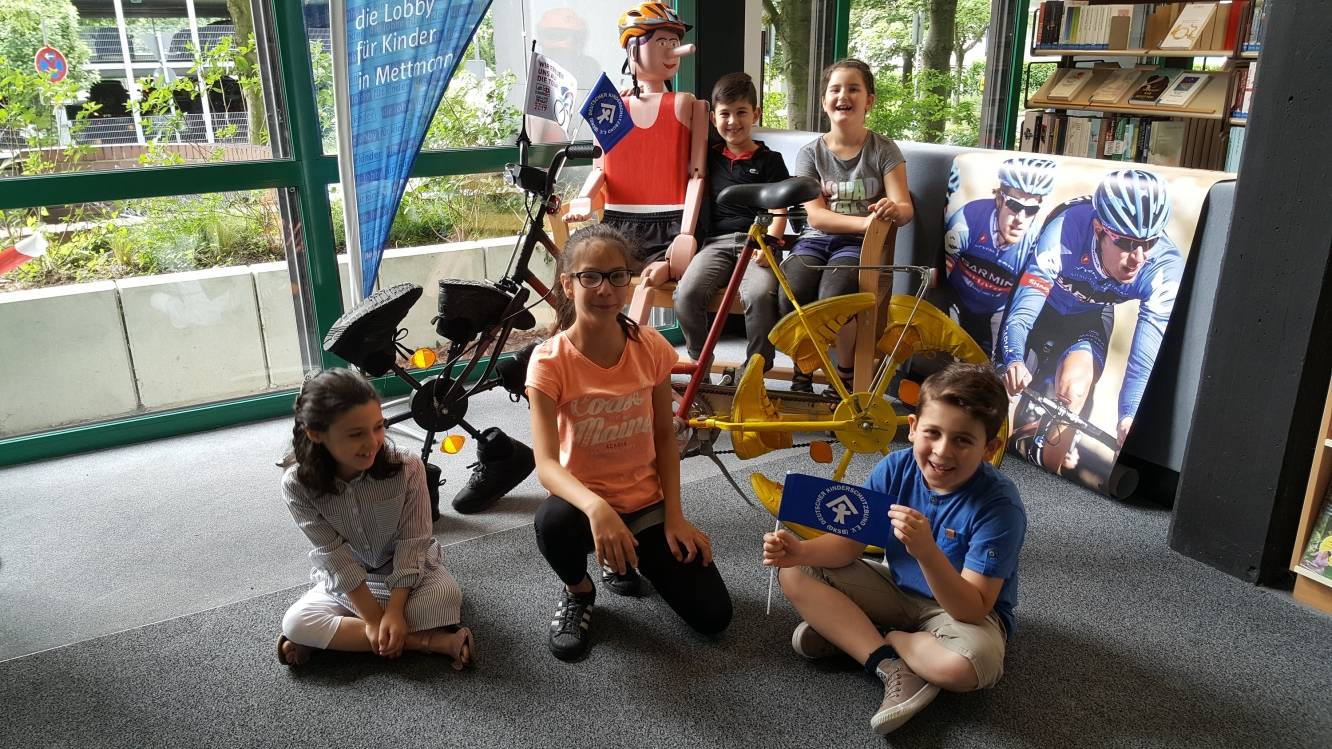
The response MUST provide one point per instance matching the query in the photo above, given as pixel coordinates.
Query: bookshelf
(1307, 590)
(1106, 36)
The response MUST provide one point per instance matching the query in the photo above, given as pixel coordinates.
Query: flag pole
(772, 575)
(351, 217)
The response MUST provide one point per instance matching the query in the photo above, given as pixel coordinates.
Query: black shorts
(1055, 336)
(649, 234)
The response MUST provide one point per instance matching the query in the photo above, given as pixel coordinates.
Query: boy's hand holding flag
(829, 506)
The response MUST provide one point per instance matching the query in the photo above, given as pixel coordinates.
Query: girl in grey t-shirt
(864, 178)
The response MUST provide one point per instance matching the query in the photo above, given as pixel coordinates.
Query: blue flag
(846, 510)
(401, 57)
(606, 113)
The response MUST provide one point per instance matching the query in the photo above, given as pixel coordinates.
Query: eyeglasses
(1017, 206)
(591, 279)
(1129, 244)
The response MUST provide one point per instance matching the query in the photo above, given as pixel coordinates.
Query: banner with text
(401, 55)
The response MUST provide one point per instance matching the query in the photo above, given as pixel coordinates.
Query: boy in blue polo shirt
(948, 583)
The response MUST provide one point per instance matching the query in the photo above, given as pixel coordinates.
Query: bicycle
(1049, 434)
(760, 420)
(476, 317)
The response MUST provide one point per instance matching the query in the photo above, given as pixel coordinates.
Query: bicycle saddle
(364, 334)
(770, 195)
(468, 307)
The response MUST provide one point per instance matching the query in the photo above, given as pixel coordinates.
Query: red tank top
(646, 171)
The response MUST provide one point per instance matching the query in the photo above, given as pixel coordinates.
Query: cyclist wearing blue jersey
(988, 243)
(1091, 255)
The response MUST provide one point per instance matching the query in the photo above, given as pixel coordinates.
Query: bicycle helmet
(645, 18)
(1132, 203)
(1032, 176)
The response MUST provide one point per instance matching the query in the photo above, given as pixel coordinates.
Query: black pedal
(466, 308)
(364, 334)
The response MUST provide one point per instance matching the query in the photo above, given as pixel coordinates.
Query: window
(129, 85)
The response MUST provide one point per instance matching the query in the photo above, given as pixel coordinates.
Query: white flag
(550, 91)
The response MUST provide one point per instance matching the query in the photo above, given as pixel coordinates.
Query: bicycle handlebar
(583, 151)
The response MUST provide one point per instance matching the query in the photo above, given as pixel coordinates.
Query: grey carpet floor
(1121, 642)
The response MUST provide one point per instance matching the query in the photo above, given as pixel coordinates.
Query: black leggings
(693, 591)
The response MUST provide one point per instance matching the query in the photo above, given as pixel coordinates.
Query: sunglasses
(1129, 244)
(591, 279)
(1017, 206)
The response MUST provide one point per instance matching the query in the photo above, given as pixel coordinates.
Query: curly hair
(324, 398)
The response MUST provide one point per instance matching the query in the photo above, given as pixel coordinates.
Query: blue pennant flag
(846, 510)
(606, 113)
(401, 57)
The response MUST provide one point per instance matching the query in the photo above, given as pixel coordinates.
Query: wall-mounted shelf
(1208, 104)
(1092, 52)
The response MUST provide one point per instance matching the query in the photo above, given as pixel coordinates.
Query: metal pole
(198, 59)
(351, 220)
(131, 85)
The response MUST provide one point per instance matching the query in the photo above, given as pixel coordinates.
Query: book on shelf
(1234, 147)
(1316, 561)
(1190, 28)
(1189, 142)
(1070, 84)
(1167, 143)
(1116, 86)
(1151, 89)
(1183, 89)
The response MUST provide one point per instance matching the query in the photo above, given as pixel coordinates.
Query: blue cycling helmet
(1032, 176)
(954, 180)
(1133, 203)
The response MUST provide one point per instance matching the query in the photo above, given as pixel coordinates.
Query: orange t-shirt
(605, 415)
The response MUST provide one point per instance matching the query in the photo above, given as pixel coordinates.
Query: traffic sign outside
(51, 63)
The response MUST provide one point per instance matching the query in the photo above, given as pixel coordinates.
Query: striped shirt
(370, 530)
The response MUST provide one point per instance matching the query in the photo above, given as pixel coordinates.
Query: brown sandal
(464, 658)
(302, 652)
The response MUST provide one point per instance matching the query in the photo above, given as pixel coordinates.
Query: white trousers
(436, 601)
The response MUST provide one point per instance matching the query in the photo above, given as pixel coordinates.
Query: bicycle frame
(863, 414)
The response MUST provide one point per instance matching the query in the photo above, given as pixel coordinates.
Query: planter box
(65, 357)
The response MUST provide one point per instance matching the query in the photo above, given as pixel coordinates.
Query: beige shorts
(870, 586)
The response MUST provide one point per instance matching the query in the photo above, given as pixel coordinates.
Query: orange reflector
(908, 392)
(423, 358)
(820, 452)
(452, 444)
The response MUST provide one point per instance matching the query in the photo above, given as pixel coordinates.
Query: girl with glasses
(604, 436)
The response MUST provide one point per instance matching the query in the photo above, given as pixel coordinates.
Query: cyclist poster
(1065, 270)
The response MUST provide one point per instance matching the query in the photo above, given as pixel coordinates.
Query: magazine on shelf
(1316, 561)
(1184, 88)
(1152, 88)
(1116, 86)
(1188, 29)
(1073, 81)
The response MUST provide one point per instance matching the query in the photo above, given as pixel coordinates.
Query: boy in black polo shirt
(736, 159)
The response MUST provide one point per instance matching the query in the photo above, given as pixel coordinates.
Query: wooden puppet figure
(653, 179)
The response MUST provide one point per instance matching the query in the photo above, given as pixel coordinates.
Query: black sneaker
(569, 630)
(628, 584)
(502, 463)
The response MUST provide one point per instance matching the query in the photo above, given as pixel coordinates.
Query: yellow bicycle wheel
(930, 334)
